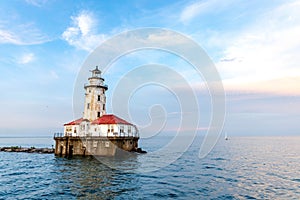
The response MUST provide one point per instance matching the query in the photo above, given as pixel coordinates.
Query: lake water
(240, 168)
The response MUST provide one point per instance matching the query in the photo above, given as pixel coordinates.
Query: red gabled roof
(75, 122)
(110, 119)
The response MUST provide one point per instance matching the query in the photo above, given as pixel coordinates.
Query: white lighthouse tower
(95, 100)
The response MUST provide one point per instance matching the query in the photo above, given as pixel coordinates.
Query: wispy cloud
(26, 58)
(38, 3)
(24, 34)
(266, 52)
(195, 9)
(83, 32)
(7, 37)
(280, 86)
(53, 74)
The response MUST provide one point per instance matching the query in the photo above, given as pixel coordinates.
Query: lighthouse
(96, 132)
(95, 99)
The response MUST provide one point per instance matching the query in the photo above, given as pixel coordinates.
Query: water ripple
(241, 168)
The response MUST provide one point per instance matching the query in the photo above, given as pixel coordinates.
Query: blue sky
(255, 46)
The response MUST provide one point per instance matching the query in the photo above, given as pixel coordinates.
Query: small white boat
(226, 136)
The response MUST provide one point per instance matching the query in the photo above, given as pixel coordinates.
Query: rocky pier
(27, 150)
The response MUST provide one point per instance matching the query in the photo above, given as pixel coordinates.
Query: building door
(70, 151)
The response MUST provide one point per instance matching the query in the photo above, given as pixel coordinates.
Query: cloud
(193, 10)
(83, 32)
(201, 7)
(26, 58)
(37, 3)
(24, 34)
(265, 55)
(53, 74)
(280, 86)
(7, 37)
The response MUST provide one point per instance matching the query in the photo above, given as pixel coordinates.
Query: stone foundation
(68, 146)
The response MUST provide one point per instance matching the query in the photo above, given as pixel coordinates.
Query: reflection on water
(89, 178)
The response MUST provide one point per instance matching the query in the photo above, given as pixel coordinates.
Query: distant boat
(226, 136)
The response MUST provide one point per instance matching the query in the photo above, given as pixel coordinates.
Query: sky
(255, 46)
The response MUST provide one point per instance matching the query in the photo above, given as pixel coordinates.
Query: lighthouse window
(121, 129)
(88, 106)
(103, 106)
(110, 128)
(129, 129)
(98, 97)
(98, 114)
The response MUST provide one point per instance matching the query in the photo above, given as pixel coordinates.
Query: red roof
(110, 119)
(75, 122)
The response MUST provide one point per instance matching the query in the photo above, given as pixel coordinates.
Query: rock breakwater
(27, 150)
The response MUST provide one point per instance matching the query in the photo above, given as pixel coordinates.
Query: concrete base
(98, 146)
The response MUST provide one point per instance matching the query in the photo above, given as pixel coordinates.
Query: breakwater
(26, 150)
